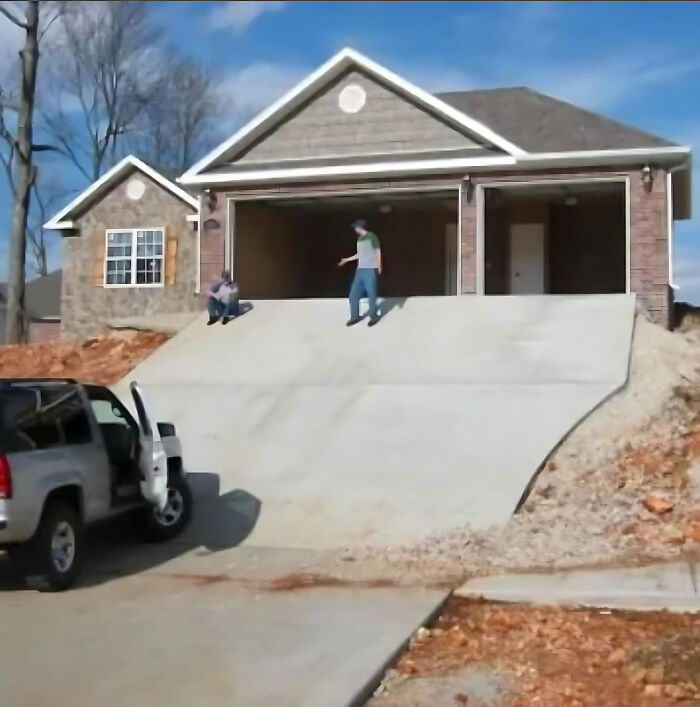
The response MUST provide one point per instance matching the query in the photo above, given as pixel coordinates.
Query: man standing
(223, 299)
(369, 267)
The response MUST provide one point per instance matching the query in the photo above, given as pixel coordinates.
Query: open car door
(153, 460)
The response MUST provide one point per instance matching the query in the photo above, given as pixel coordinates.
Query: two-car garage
(290, 247)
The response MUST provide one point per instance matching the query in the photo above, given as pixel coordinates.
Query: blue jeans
(217, 308)
(364, 282)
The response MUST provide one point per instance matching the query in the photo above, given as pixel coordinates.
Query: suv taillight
(5, 478)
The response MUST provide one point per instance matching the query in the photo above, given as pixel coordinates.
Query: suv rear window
(41, 417)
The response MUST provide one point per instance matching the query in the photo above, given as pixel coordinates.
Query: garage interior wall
(585, 250)
(290, 250)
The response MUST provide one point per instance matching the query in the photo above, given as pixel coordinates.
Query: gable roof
(62, 220)
(324, 75)
(42, 296)
(540, 123)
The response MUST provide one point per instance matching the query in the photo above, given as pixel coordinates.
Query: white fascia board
(607, 156)
(326, 72)
(368, 169)
(58, 222)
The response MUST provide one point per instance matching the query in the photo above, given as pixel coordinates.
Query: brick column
(212, 239)
(468, 243)
(649, 245)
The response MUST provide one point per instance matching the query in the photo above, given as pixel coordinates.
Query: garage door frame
(505, 184)
(231, 200)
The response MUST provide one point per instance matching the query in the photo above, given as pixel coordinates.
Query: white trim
(359, 191)
(479, 195)
(481, 218)
(641, 152)
(57, 223)
(364, 169)
(325, 73)
(198, 274)
(445, 165)
(134, 258)
(192, 218)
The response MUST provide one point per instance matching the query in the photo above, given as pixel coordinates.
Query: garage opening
(289, 248)
(555, 239)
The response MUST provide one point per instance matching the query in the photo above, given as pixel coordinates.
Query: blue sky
(639, 63)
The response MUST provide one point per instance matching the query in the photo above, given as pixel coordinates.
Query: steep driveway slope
(436, 417)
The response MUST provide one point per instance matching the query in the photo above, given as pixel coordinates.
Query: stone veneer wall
(86, 305)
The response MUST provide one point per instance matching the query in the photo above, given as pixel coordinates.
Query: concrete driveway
(305, 436)
(437, 417)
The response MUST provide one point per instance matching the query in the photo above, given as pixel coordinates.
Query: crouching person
(223, 299)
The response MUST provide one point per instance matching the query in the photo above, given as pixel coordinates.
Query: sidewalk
(673, 587)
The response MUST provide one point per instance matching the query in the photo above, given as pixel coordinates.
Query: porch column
(467, 235)
(649, 245)
(212, 238)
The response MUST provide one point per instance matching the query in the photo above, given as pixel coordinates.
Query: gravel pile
(588, 504)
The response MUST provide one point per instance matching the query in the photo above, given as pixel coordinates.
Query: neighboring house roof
(42, 296)
(540, 123)
(63, 219)
(525, 129)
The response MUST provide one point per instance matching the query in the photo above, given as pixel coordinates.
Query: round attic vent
(135, 189)
(352, 98)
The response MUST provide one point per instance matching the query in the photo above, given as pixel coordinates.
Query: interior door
(527, 249)
(153, 460)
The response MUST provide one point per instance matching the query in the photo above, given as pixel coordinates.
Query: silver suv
(72, 454)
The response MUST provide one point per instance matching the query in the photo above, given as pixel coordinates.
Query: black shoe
(212, 320)
(372, 321)
(353, 320)
(226, 320)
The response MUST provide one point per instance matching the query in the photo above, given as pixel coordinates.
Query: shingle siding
(388, 123)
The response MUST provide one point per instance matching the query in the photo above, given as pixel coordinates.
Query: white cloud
(604, 83)
(687, 276)
(254, 87)
(239, 15)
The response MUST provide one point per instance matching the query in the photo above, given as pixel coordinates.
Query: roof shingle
(539, 123)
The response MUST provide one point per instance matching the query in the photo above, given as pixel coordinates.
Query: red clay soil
(553, 657)
(102, 360)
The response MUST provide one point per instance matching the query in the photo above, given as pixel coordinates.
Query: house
(488, 192)
(130, 248)
(42, 303)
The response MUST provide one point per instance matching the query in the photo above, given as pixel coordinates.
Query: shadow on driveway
(112, 549)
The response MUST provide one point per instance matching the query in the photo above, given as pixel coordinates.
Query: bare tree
(104, 71)
(182, 120)
(21, 168)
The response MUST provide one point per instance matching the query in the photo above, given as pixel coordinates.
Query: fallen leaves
(554, 656)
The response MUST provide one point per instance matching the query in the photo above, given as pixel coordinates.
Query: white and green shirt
(368, 251)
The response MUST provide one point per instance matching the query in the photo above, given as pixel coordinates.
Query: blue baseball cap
(360, 223)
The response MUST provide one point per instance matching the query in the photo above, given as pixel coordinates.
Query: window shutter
(97, 268)
(170, 258)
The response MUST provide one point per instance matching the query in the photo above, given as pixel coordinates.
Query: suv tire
(155, 526)
(53, 558)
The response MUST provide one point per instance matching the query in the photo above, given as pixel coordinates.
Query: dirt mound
(102, 360)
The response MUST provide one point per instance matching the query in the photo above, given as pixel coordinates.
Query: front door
(527, 248)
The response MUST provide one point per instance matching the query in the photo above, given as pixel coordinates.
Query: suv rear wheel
(53, 557)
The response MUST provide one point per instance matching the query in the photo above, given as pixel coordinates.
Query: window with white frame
(134, 257)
